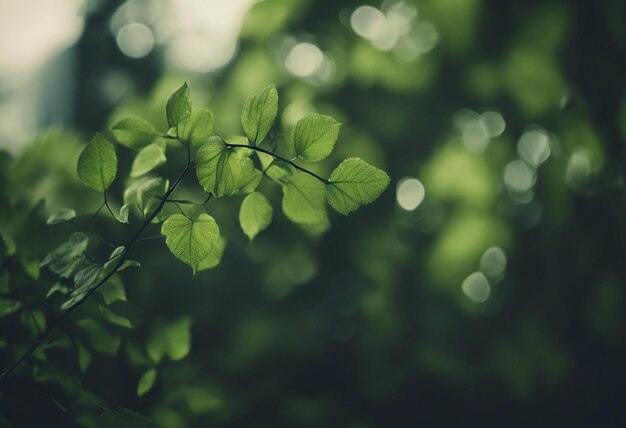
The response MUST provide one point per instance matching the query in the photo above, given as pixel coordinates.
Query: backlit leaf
(304, 199)
(97, 164)
(134, 133)
(178, 107)
(190, 240)
(255, 214)
(259, 112)
(148, 158)
(218, 168)
(314, 137)
(197, 128)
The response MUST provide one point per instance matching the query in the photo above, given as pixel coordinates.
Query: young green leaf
(146, 382)
(118, 417)
(304, 199)
(134, 133)
(215, 256)
(354, 183)
(190, 240)
(148, 193)
(314, 137)
(255, 214)
(97, 164)
(148, 158)
(84, 358)
(178, 107)
(259, 112)
(122, 217)
(61, 216)
(67, 258)
(197, 128)
(218, 168)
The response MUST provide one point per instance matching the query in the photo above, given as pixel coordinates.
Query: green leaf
(218, 168)
(129, 263)
(354, 183)
(190, 240)
(148, 193)
(255, 214)
(85, 279)
(146, 382)
(113, 290)
(102, 340)
(304, 199)
(314, 137)
(215, 256)
(148, 158)
(265, 159)
(122, 217)
(84, 358)
(61, 216)
(250, 177)
(173, 340)
(57, 287)
(115, 318)
(118, 417)
(278, 173)
(97, 164)
(259, 112)
(134, 133)
(68, 257)
(8, 306)
(197, 128)
(178, 107)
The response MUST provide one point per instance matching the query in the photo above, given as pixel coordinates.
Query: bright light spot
(518, 176)
(578, 169)
(476, 287)
(410, 193)
(135, 40)
(534, 147)
(193, 52)
(493, 122)
(304, 59)
(425, 37)
(493, 263)
(475, 136)
(368, 22)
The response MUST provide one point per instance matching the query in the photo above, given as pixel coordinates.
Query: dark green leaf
(8, 306)
(68, 257)
(118, 417)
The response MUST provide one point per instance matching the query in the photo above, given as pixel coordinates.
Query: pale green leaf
(215, 256)
(218, 168)
(173, 340)
(354, 183)
(278, 173)
(129, 263)
(122, 217)
(148, 158)
(61, 216)
(265, 159)
(57, 287)
(190, 240)
(146, 382)
(97, 164)
(255, 214)
(259, 112)
(149, 193)
(197, 128)
(304, 199)
(314, 137)
(134, 133)
(68, 257)
(250, 177)
(8, 306)
(178, 107)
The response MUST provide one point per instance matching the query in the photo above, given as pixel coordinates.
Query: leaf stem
(76, 305)
(93, 233)
(280, 158)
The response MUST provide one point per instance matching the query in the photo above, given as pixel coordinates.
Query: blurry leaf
(113, 290)
(86, 279)
(102, 340)
(178, 107)
(97, 164)
(215, 256)
(354, 183)
(134, 133)
(197, 128)
(190, 240)
(8, 306)
(148, 158)
(118, 417)
(114, 318)
(278, 173)
(255, 214)
(30, 268)
(8, 244)
(113, 258)
(218, 168)
(65, 259)
(34, 321)
(61, 216)
(173, 340)
(84, 358)
(129, 263)
(147, 195)
(259, 112)
(146, 382)
(57, 287)
(265, 159)
(304, 199)
(314, 137)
